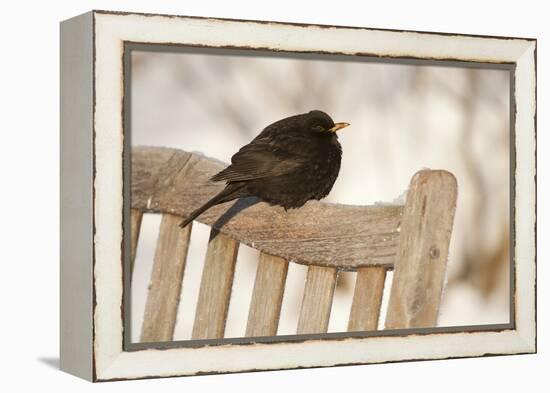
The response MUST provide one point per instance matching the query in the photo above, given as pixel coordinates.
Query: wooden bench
(413, 240)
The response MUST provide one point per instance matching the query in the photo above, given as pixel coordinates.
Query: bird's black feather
(259, 160)
(291, 161)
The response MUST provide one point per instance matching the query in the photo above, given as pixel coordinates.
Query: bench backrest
(413, 240)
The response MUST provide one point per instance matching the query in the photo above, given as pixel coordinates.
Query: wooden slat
(426, 229)
(215, 290)
(165, 286)
(135, 226)
(317, 301)
(367, 298)
(267, 297)
(173, 181)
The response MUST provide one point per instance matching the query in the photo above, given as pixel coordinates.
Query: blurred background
(403, 118)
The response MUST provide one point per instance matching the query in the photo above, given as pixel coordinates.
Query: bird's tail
(230, 192)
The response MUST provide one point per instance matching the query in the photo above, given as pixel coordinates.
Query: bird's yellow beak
(338, 126)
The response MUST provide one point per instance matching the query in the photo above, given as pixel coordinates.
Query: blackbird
(290, 162)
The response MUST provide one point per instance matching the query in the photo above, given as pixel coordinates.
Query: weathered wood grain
(419, 271)
(135, 226)
(215, 290)
(176, 182)
(367, 298)
(317, 301)
(166, 278)
(267, 296)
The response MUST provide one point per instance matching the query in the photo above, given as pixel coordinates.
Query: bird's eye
(318, 129)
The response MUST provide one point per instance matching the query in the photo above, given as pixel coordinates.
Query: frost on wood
(173, 181)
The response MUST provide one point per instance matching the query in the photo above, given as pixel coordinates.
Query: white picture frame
(92, 195)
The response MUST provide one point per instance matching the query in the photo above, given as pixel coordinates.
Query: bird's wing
(257, 160)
